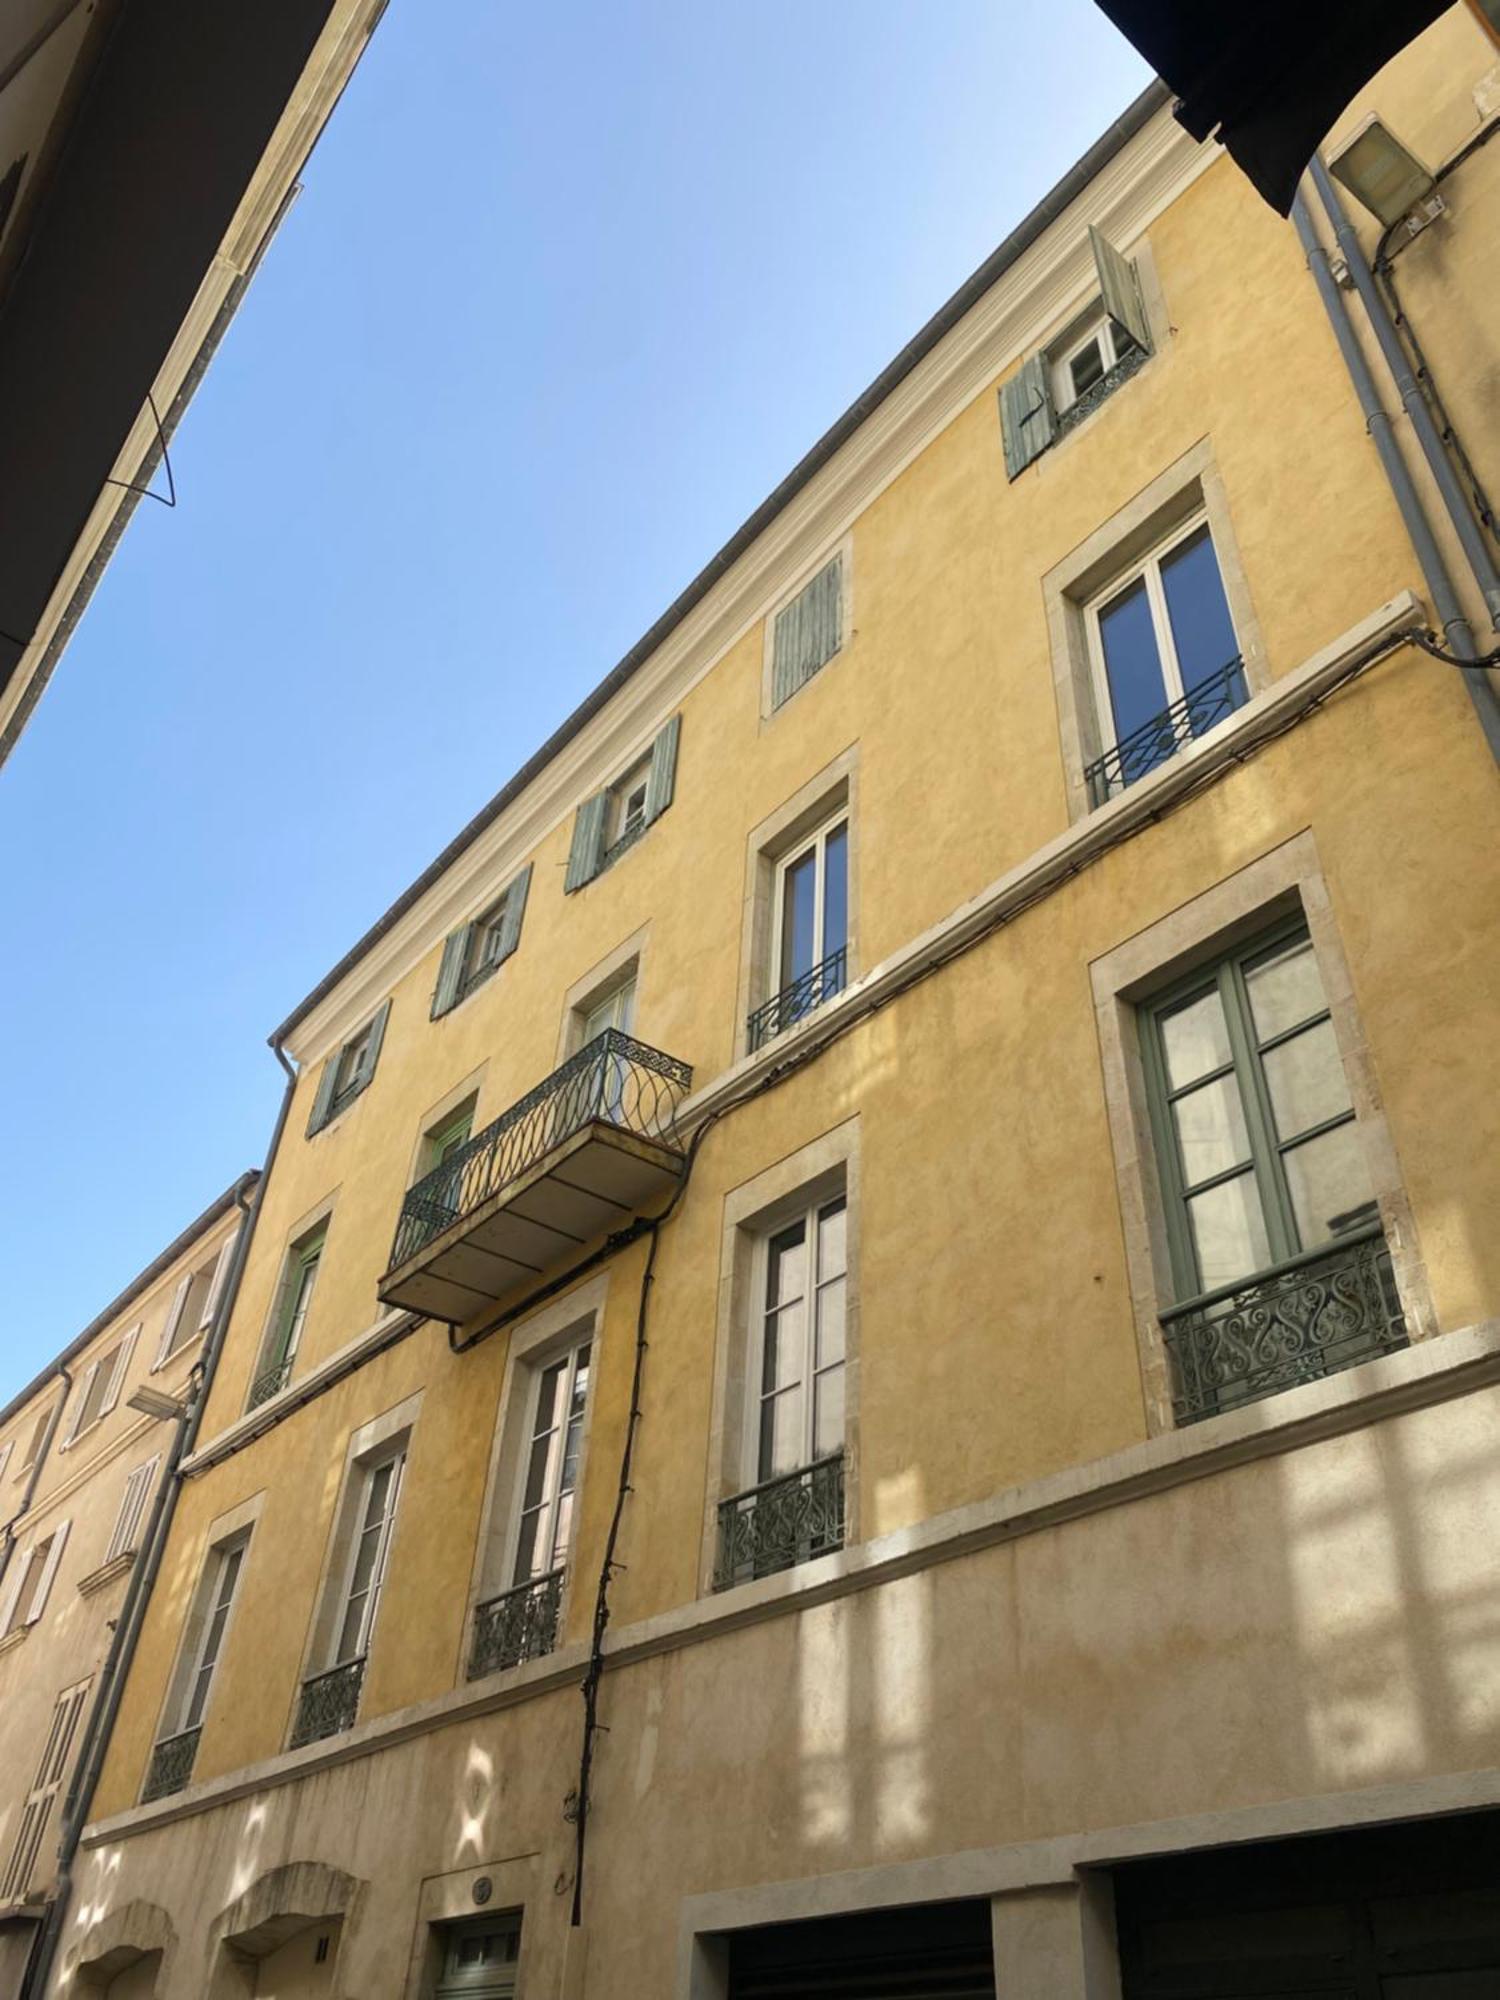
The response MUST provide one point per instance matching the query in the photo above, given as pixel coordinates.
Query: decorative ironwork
(1084, 406)
(1325, 1310)
(519, 1624)
(171, 1765)
(613, 1078)
(1204, 704)
(788, 1006)
(781, 1522)
(329, 1703)
(628, 838)
(269, 1382)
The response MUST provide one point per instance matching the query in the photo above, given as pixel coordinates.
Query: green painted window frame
(1226, 973)
(307, 1252)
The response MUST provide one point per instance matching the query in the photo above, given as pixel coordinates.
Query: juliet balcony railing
(328, 1703)
(784, 1009)
(781, 1522)
(1139, 753)
(1328, 1309)
(588, 1147)
(269, 1382)
(171, 1765)
(518, 1625)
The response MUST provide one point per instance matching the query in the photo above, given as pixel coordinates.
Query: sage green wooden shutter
(1120, 289)
(1026, 420)
(663, 778)
(514, 912)
(807, 632)
(323, 1101)
(451, 969)
(586, 856)
(371, 1054)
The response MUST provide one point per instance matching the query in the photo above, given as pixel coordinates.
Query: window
(479, 1959)
(194, 1303)
(615, 1010)
(34, 1441)
(293, 1302)
(45, 1786)
(102, 1381)
(382, 1491)
(348, 1071)
(449, 1136)
(810, 930)
(125, 1539)
(1261, 1166)
(329, 1699)
(5, 1451)
(225, 1567)
(28, 1582)
(807, 632)
(1053, 390)
(1165, 661)
(477, 949)
(613, 820)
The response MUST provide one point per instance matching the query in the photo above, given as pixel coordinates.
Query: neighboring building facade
(81, 1473)
(912, 1211)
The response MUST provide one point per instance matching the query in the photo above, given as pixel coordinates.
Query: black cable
(1427, 642)
(169, 498)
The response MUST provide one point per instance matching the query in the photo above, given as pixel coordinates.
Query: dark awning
(1268, 80)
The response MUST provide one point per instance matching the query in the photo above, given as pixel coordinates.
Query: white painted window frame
(808, 1211)
(1100, 332)
(536, 1366)
(623, 816)
(211, 1584)
(816, 840)
(366, 1473)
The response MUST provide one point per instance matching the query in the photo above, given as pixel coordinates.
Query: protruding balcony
(590, 1147)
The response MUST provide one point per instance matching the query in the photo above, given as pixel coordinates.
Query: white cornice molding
(1039, 293)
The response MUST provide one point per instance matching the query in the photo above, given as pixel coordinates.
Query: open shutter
(1120, 288)
(132, 1506)
(586, 856)
(173, 1322)
(5, 1451)
(10, 1589)
(217, 1282)
(451, 970)
(514, 912)
(662, 782)
(371, 1055)
(1026, 419)
(323, 1101)
(123, 1354)
(43, 1589)
(80, 1403)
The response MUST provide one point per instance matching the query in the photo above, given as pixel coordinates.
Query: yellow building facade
(910, 1211)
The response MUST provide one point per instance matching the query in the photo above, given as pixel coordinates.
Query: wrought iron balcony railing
(519, 1624)
(269, 1382)
(613, 1078)
(1133, 359)
(781, 1522)
(1139, 753)
(171, 1765)
(329, 1703)
(1328, 1309)
(787, 1007)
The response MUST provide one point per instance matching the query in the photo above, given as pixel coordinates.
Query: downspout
(1471, 537)
(36, 1472)
(127, 1631)
(1440, 589)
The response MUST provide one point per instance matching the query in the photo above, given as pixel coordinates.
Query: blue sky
(567, 292)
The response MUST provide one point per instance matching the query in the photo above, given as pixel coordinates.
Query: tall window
(550, 1481)
(800, 1414)
(1164, 654)
(1255, 1131)
(45, 1786)
(227, 1564)
(293, 1302)
(810, 930)
(372, 1547)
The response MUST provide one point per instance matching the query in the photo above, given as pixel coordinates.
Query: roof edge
(1152, 99)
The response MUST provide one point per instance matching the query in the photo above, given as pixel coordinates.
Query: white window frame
(367, 1472)
(627, 803)
(536, 1368)
(1148, 567)
(609, 999)
(809, 1213)
(815, 841)
(1100, 332)
(236, 1550)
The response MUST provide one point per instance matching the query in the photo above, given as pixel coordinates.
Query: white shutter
(216, 1283)
(173, 1320)
(117, 1374)
(43, 1589)
(132, 1505)
(44, 1789)
(10, 1590)
(80, 1402)
(5, 1451)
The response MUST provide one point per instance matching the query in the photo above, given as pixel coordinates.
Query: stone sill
(13, 1639)
(1431, 1372)
(106, 1574)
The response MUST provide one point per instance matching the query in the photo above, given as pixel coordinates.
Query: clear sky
(569, 289)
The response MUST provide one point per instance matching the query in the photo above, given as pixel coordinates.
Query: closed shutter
(451, 970)
(80, 1403)
(123, 1356)
(44, 1789)
(662, 781)
(514, 912)
(1026, 420)
(586, 856)
(1120, 288)
(323, 1101)
(807, 632)
(55, 1547)
(173, 1321)
(132, 1505)
(218, 1281)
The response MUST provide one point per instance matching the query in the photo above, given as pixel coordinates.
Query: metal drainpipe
(36, 1472)
(132, 1613)
(1445, 600)
(1475, 548)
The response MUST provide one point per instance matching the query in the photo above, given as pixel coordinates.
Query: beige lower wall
(1315, 1624)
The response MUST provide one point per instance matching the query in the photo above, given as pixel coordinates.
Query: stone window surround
(1191, 485)
(436, 1114)
(843, 548)
(1288, 878)
(450, 1899)
(237, 1524)
(610, 971)
(319, 1216)
(382, 1437)
(536, 1341)
(820, 1169)
(766, 846)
